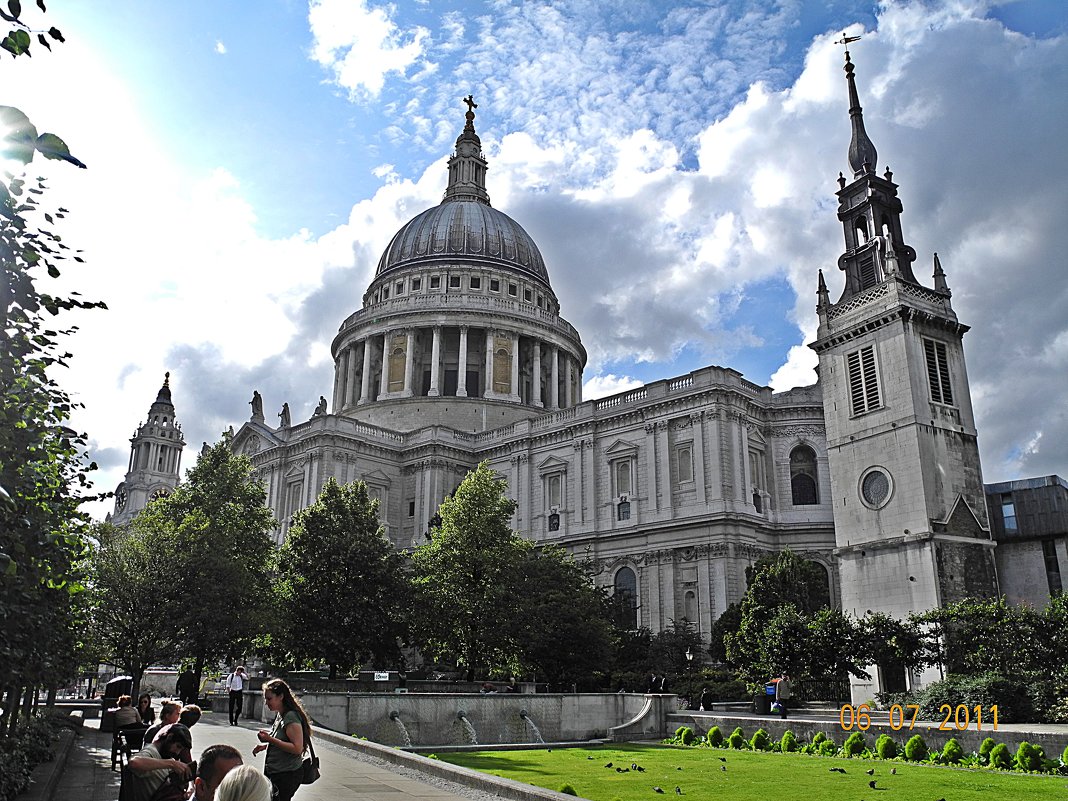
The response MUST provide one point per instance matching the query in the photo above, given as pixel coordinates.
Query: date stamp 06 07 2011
(958, 718)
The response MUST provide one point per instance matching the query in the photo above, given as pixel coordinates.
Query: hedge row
(991, 754)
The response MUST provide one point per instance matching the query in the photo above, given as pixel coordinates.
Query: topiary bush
(828, 748)
(1029, 757)
(1000, 757)
(736, 741)
(885, 747)
(1064, 756)
(985, 747)
(684, 735)
(761, 740)
(818, 738)
(714, 737)
(854, 745)
(788, 743)
(567, 789)
(952, 753)
(915, 749)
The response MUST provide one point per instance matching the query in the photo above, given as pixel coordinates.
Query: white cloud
(362, 45)
(601, 386)
(220, 48)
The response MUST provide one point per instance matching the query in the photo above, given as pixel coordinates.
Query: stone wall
(435, 718)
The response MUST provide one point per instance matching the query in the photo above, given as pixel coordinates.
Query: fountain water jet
(469, 730)
(405, 738)
(531, 725)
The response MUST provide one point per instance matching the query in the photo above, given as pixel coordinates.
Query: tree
(563, 624)
(782, 593)
(341, 585)
(132, 606)
(43, 469)
(213, 529)
(464, 580)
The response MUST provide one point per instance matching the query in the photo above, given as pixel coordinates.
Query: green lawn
(750, 776)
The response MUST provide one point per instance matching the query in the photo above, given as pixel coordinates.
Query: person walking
(286, 742)
(186, 687)
(235, 685)
(784, 691)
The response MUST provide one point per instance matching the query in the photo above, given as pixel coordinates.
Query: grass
(750, 776)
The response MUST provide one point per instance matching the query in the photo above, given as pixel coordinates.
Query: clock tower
(155, 459)
(909, 511)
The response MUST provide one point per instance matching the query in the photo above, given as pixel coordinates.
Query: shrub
(684, 735)
(761, 741)
(737, 740)
(885, 747)
(915, 749)
(854, 744)
(952, 753)
(1011, 695)
(714, 737)
(567, 789)
(1064, 756)
(1000, 757)
(818, 738)
(985, 747)
(14, 774)
(788, 743)
(1029, 757)
(36, 739)
(828, 748)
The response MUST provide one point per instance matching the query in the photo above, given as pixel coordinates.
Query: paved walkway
(87, 775)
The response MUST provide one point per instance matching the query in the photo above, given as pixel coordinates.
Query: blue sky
(674, 161)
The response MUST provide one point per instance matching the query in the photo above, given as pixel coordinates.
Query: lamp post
(689, 675)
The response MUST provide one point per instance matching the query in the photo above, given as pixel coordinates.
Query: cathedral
(459, 354)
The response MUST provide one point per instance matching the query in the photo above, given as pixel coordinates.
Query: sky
(248, 161)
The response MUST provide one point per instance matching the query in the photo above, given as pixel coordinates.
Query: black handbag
(309, 773)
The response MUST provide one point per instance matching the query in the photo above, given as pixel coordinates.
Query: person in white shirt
(236, 683)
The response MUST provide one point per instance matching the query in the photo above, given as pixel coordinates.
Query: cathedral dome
(463, 229)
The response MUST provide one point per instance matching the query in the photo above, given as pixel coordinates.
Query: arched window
(860, 225)
(626, 594)
(804, 484)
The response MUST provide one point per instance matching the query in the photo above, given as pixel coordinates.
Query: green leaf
(55, 34)
(40, 5)
(23, 38)
(43, 41)
(52, 147)
(19, 139)
(15, 7)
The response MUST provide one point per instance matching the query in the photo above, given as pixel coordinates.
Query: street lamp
(689, 676)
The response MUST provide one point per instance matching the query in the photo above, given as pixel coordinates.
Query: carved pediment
(621, 449)
(552, 464)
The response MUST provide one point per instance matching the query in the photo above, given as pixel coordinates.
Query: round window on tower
(876, 487)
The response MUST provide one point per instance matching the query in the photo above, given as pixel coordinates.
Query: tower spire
(467, 166)
(862, 154)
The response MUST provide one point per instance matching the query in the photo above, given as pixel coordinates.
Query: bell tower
(155, 458)
(910, 514)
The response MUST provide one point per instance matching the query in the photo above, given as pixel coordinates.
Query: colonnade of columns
(508, 366)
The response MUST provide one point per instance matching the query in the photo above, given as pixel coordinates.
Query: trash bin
(120, 685)
(762, 703)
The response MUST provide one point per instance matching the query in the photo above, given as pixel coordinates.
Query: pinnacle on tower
(467, 167)
(862, 154)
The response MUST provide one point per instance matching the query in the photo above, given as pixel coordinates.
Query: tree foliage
(132, 590)
(773, 632)
(213, 531)
(43, 469)
(562, 626)
(465, 580)
(341, 589)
